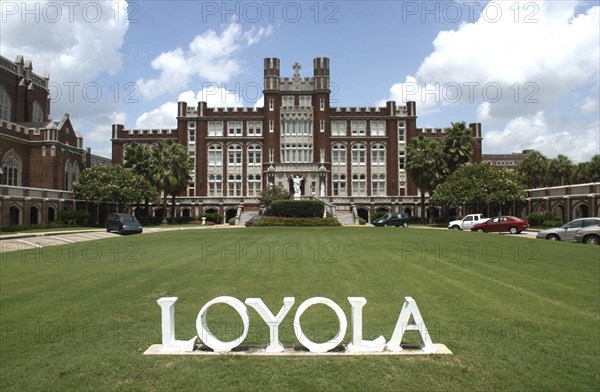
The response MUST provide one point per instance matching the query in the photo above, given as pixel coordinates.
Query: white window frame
(234, 128)
(377, 128)
(215, 128)
(358, 128)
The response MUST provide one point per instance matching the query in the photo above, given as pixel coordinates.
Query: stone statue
(297, 182)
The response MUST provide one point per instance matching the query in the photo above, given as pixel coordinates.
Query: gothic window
(12, 168)
(235, 185)
(378, 155)
(359, 185)
(378, 185)
(234, 153)
(254, 184)
(338, 154)
(215, 185)
(38, 113)
(254, 155)
(359, 153)
(4, 105)
(339, 184)
(215, 155)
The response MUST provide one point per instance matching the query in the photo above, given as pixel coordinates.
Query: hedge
(297, 208)
(283, 221)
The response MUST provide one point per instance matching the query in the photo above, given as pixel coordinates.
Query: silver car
(588, 235)
(567, 232)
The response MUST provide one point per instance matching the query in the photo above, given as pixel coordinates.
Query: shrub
(538, 218)
(17, 228)
(297, 208)
(552, 223)
(213, 217)
(307, 222)
(361, 221)
(150, 220)
(232, 221)
(78, 217)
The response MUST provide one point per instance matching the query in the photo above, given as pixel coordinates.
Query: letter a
(410, 309)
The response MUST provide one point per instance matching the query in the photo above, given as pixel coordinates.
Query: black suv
(123, 223)
(393, 220)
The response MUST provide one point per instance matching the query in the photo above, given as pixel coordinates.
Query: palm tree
(595, 168)
(560, 170)
(138, 157)
(426, 165)
(458, 145)
(535, 168)
(582, 173)
(172, 171)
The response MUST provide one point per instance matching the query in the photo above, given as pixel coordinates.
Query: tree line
(147, 171)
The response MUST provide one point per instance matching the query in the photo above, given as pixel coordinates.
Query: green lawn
(518, 314)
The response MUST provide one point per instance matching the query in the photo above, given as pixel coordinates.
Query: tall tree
(478, 185)
(138, 157)
(458, 146)
(535, 168)
(560, 170)
(172, 171)
(595, 168)
(426, 165)
(114, 184)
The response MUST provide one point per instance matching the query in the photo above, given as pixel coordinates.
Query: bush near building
(297, 208)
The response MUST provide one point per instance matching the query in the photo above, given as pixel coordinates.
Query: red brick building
(352, 158)
(39, 158)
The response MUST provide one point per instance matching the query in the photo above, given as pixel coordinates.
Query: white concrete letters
(206, 335)
(410, 319)
(410, 309)
(272, 321)
(358, 344)
(167, 306)
(335, 341)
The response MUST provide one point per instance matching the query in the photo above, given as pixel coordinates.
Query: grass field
(518, 314)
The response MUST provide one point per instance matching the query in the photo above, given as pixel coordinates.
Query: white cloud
(164, 116)
(73, 41)
(534, 132)
(209, 56)
(425, 94)
(591, 105)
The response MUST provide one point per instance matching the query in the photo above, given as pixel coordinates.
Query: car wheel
(592, 240)
(480, 230)
(107, 229)
(455, 227)
(121, 231)
(553, 237)
(513, 230)
(405, 224)
(385, 225)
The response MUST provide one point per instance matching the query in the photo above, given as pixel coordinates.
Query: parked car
(567, 231)
(123, 223)
(393, 220)
(588, 235)
(467, 222)
(250, 222)
(499, 224)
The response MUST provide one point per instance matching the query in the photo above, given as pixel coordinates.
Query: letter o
(320, 347)
(206, 335)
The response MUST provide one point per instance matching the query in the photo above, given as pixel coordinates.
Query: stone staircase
(345, 217)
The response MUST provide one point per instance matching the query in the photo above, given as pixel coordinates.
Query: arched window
(38, 113)
(215, 185)
(74, 173)
(254, 155)
(4, 105)
(338, 154)
(378, 185)
(234, 153)
(67, 177)
(378, 155)
(12, 169)
(339, 184)
(359, 185)
(359, 154)
(254, 184)
(235, 185)
(215, 155)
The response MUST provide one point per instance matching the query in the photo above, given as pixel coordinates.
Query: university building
(353, 158)
(40, 158)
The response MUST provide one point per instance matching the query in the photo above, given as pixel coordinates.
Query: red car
(502, 223)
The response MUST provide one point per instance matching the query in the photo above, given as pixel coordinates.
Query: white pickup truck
(467, 222)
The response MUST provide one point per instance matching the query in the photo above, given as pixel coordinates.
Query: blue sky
(528, 71)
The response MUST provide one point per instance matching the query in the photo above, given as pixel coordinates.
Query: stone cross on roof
(297, 68)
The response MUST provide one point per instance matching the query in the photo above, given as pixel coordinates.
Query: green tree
(458, 146)
(560, 170)
(478, 185)
(171, 171)
(114, 184)
(535, 168)
(595, 168)
(582, 173)
(268, 196)
(426, 165)
(138, 157)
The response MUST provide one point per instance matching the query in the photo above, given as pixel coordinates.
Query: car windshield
(128, 218)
